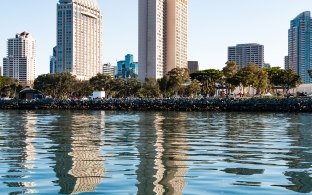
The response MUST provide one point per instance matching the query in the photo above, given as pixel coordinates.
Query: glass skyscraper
(79, 32)
(299, 56)
(127, 68)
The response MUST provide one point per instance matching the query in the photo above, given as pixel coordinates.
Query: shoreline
(180, 104)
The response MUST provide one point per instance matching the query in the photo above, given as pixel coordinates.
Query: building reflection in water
(299, 173)
(162, 148)
(22, 133)
(79, 165)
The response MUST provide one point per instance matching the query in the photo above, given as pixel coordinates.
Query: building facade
(244, 54)
(20, 62)
(127, 68)
(162, 37)
(300, 46)
(286, 61)
(0, 70)
(79, 32)
(108, 69)
(53, 62)
(192, 66)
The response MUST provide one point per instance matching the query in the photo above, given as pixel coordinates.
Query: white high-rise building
(0, 70)
(79, 32)
(162, 37)
(20, 62)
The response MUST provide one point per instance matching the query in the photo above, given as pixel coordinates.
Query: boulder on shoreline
(174, 104)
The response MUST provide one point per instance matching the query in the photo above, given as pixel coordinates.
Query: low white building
(305, 88)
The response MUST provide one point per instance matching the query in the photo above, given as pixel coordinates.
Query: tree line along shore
(177, 82)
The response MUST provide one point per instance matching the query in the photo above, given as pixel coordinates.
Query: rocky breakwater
(180, 104)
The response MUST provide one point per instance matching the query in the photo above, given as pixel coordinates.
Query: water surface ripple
(99, 152)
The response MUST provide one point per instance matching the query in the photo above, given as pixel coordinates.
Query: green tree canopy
(193, 89)
(285, 79)
(58, 85)
(177, 77)
(101, 82)
(150, 88)
(9, 86)
(208, 79)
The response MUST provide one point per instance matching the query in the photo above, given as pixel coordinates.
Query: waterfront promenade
(174, 104)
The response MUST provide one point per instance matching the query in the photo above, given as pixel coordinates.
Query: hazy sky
(213, 26)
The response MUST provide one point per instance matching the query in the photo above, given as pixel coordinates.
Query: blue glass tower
(127, 68)
(300, 46)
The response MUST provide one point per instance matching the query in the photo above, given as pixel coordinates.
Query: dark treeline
(9, 87)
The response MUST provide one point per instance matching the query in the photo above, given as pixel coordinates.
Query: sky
(213, 26)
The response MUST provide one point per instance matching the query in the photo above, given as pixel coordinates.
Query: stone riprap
(180, 104)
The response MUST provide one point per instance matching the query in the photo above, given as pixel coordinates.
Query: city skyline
(213, 26)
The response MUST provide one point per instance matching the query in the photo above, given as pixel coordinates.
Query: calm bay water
(99, 152)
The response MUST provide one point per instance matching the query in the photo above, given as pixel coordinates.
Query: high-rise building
(0, 70)
(244, 54)
(109, 69)
(127, 68)
(192, 66)
(79, 32)
(21, 58)
(162, 37)
(300, 46)
(286, 61)
(53, 61)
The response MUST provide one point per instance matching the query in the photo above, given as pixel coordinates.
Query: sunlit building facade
(79, 32)
(108, 69)
(162, 37)
(20, 62)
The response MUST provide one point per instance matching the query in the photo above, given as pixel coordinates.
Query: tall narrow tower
(299, 56)
(21, 58)
(79, 32)
(162, 37)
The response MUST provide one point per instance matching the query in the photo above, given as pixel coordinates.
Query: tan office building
(162, 37)
(79, 32)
